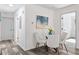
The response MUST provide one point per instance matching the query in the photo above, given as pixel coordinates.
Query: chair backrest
(63, 36)
(39, 36)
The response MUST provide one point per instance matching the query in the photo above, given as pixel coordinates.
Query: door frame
(75, 24)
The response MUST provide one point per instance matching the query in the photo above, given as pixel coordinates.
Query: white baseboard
(29, 48)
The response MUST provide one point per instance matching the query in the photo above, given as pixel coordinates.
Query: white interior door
(0, 30)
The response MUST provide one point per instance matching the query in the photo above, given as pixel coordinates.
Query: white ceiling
(6, 7)
(54, 6)
(60, 5)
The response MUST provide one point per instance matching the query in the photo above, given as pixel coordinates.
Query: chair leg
(58, 51)
(37, 45)
(62, 46)
(55, 50)
(65, 48)
(1, 52)
(44, 44)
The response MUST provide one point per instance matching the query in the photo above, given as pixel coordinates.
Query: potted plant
(50, 31)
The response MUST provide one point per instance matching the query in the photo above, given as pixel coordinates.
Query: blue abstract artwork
(41, 21)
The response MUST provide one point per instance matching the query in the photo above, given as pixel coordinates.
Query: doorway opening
(68, 25)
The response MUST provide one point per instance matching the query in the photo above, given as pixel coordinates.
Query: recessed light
(11, 5)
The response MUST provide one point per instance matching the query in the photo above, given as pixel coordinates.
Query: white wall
(25, 36)
(72, 8)
(20, 33)
(7, 25)
(31, 12)
(73, 26)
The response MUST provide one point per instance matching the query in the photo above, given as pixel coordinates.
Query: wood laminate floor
(10, 48)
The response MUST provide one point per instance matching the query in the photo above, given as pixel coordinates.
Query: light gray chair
(62, 40)
(40, 39)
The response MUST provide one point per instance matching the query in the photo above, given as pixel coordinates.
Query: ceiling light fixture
(11, 5)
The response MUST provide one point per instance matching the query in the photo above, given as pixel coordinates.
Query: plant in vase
(50, 31)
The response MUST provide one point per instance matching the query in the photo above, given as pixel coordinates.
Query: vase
(50, 33)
